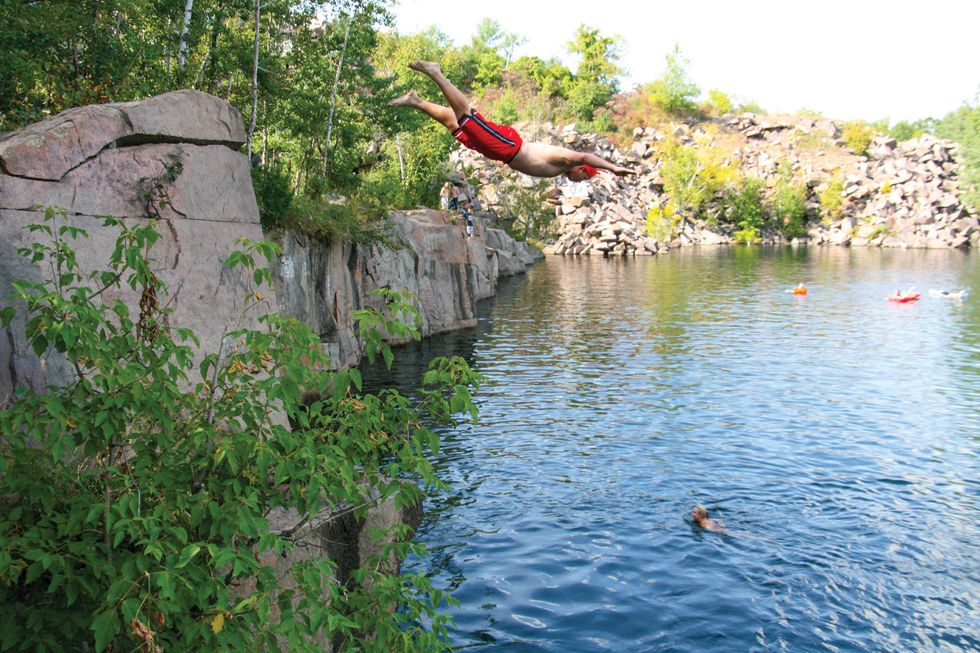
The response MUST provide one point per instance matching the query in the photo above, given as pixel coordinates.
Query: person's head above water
(699, 514)
(581, 173)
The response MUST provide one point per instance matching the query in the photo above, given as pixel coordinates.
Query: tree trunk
(401, 157)
(211, 58)
(398, 142)
(265, 132)
(185, 34)
(333, 98)
(255, 81)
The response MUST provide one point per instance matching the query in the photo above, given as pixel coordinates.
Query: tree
(488, 53)
(551, 76)
(673, 91)
(596, 78)
(255, 80)
(963, 126)
(185, 35)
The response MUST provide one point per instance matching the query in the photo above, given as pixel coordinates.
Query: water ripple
(835, 435)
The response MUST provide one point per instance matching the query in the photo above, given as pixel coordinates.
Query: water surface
(835, 435)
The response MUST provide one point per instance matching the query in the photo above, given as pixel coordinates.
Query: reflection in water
(835, 435)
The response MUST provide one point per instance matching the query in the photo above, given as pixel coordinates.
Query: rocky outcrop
(109, 160)
(106, 161)
(905, 195)
(900, 195)
(426, 254)
(338, 534)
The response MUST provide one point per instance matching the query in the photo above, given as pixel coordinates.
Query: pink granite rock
(92, 162)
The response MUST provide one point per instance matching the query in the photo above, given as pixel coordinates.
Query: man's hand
(620, 171)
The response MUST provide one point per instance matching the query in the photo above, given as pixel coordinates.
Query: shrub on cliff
(744, 209)
(788, 203)
(695, 174)
(719, 103)
(831, 196)
(134, 504)
(857, 135)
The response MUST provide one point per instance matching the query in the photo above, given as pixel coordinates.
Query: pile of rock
(907, 197)
(901, 195)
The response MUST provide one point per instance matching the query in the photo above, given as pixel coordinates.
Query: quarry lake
(835, 436)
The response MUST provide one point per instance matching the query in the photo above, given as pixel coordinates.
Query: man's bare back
(542, 160)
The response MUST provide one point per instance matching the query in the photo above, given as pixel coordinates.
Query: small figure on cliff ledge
(700, 517)
(453, 197)
(501, 142)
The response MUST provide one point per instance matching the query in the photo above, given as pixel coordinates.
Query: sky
(856, 59)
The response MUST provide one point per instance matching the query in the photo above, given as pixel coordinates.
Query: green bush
(585, 98)
(506, 108)
(532, 218)
(751, 106)
(744, 209)
(602, 123)
(963, 126)
(857, 135)
(905, 131)
(719, 102)
(673, 91)
(831, 198)
(357, 218)
(695, 174)
(135, 502)
(788, 204)
(662, 222)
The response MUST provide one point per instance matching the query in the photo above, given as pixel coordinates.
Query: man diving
(501, 142)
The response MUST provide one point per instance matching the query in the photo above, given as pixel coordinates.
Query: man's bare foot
(430, 68)
(410, 99)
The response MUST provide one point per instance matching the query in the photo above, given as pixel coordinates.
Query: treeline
(312, 79)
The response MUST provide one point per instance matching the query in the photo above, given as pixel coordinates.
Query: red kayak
(903, 297)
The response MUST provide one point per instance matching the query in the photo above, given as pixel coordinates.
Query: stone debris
(902, 194)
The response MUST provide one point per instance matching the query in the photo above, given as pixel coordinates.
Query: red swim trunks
(497, 142)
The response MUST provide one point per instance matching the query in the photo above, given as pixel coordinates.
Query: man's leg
(458, 102)
(437, 112)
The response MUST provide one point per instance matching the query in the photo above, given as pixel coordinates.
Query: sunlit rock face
(181, 152)
(426, 254)
(104, 160)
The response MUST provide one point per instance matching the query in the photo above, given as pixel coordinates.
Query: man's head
(581, 173)
(699, 514)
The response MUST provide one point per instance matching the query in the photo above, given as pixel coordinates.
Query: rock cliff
(322, 284)
(104, 161)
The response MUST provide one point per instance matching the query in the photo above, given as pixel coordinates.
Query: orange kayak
(799, 291)
(903, 297)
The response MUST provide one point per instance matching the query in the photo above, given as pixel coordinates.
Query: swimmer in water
(700, 517)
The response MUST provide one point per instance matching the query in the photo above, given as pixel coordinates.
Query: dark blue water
(836, 436)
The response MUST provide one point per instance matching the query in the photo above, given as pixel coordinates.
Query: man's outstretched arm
(587, 158)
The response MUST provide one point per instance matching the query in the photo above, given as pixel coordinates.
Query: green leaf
(236, 258)
(187, 555)
(106, 627)
(39, 344)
